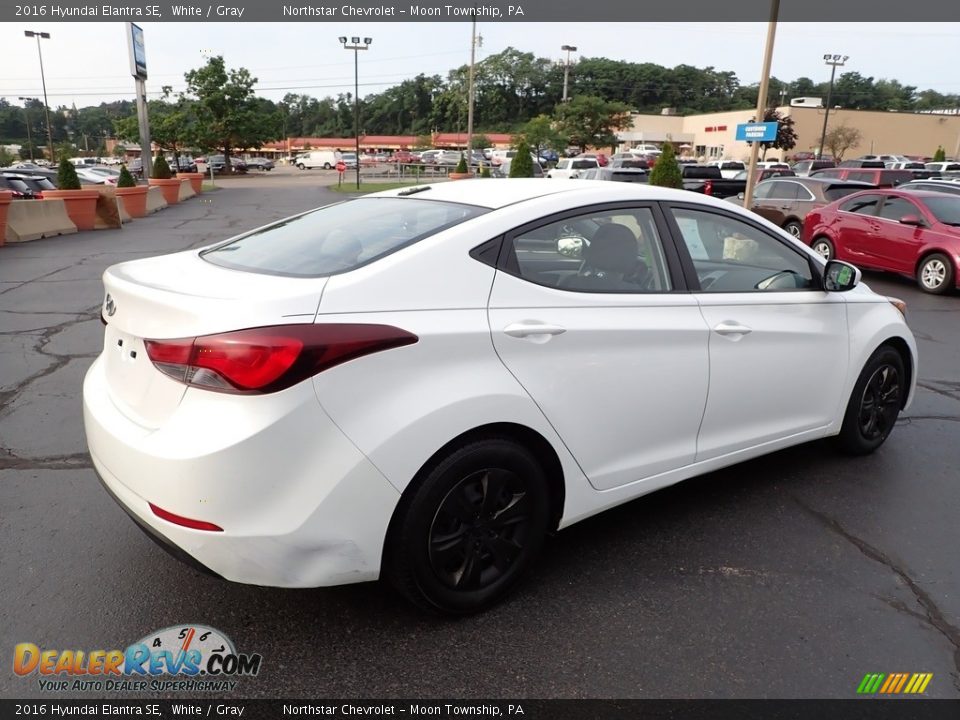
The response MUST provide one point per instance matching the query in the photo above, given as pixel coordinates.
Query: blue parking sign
(757, 132)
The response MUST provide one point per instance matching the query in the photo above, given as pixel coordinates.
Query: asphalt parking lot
(789, 576)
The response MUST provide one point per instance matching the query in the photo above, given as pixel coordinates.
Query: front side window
(338, 238)
(895, 208)
(730, 255)
(605, 251)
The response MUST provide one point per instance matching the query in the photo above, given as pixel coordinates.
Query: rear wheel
(935, 274)
(823, 247)
(794, 228)
(326, 166)
(470, 529)
(874, 404)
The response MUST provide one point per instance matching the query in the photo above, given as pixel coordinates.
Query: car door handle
(785, 207)
(728, 327)
(528, 328)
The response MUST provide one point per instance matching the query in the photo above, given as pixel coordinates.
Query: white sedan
(421, 384)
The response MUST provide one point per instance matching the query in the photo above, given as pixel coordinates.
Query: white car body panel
(304, 481)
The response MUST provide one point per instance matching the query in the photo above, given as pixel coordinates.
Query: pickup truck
(708, 180)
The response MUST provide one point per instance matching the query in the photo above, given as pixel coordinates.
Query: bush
(462, 165)
(666, 172)
(125, 179)
(161, 171)
(940, 155)
(522, 164)
(485, 171)
(67, 176)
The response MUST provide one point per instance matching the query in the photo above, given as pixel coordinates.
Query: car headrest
(613, 248)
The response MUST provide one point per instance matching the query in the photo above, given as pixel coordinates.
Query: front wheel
(469, 530)
(326, 166)
(935, 274)
(823, 247)
(300, 165)
(874, 404)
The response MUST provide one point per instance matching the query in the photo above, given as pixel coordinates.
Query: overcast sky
(86, 63)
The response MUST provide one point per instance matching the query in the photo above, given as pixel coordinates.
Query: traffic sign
(759, 132)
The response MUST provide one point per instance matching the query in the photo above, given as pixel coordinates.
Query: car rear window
(339, 238)
(835, 192)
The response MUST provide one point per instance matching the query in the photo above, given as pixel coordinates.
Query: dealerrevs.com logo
(180, 658)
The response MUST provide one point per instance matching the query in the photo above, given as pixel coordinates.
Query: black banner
(854, 709)
(825, 11)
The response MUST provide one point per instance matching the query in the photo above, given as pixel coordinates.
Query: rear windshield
(633, 177)
(835, 192)
(339, 238)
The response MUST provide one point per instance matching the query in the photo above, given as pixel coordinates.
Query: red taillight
(708, 187)
(262, 360)
(184, 521)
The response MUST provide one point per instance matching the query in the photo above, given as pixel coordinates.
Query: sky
(87, 63)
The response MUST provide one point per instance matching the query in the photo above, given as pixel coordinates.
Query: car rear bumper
(299, 505)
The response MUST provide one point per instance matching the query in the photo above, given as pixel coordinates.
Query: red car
(916, 234)
(403, 156)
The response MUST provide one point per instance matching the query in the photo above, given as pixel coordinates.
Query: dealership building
(713, 136)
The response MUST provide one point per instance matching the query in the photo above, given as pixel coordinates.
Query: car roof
(500, 193)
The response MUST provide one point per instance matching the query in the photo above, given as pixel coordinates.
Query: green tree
(940, 155)
(522, 164)
(786, 134)
(462, 165)
(228, 115)
(67, 176)
(591, 121)
(5, 157)
(666, 171)
(126, 179)
(540, 134)
(841, 138)
(160, 170)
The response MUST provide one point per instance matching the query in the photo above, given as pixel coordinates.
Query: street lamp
(566, 68)
(356, 46)
(26, 113)
(46, 106)
(834, 61)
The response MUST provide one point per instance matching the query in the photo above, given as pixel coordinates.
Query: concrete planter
(134, 199)
(196, 180)
(5, 198)
(460, 176)
(81, 205)
(169, 187)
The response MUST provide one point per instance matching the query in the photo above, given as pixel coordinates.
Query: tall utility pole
(833, 61)
(470, 88)
(566, 69)
(356, 46)
(46, 106)
(762, 98)
(26, 113)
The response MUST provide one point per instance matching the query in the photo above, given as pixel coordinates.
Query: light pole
(46, 106)
(566, 68)
(833, 61)
(26, 113)
(356, 46)
(470, 88)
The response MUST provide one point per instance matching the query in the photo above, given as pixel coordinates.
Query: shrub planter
(81, 205)
(5, 198)
(460, 176)
(134, 200)
(169, 187)
(196, 180)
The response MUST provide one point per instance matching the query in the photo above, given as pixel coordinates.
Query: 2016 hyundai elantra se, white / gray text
(422, 384)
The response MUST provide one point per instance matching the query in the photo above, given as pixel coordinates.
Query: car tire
(823, 247)
(469, 527)
(875, 403)
(795, 228)
(326, 166)
(935, 274)
(300, 165)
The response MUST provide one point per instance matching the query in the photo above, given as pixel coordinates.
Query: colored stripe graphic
(894, 683)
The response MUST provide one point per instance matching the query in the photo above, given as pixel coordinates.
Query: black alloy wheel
(875, 403)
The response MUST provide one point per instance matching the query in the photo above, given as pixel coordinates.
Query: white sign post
(138, 68)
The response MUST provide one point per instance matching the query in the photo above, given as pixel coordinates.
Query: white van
(84, 161)
(325, 159)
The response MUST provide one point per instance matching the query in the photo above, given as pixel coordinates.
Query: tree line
(220, 109)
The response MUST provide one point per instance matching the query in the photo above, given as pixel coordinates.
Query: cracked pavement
(789, 576)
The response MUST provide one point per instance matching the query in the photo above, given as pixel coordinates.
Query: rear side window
(862, 205)
(339, 238)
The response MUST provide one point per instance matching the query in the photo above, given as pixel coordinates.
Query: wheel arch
(530, 439)
(900, 345)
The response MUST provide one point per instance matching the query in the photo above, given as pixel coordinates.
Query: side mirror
(839, 276)
(570, 246)
(911, 220)
(741, 196)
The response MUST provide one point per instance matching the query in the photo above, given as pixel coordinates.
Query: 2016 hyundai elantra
(421, 384)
